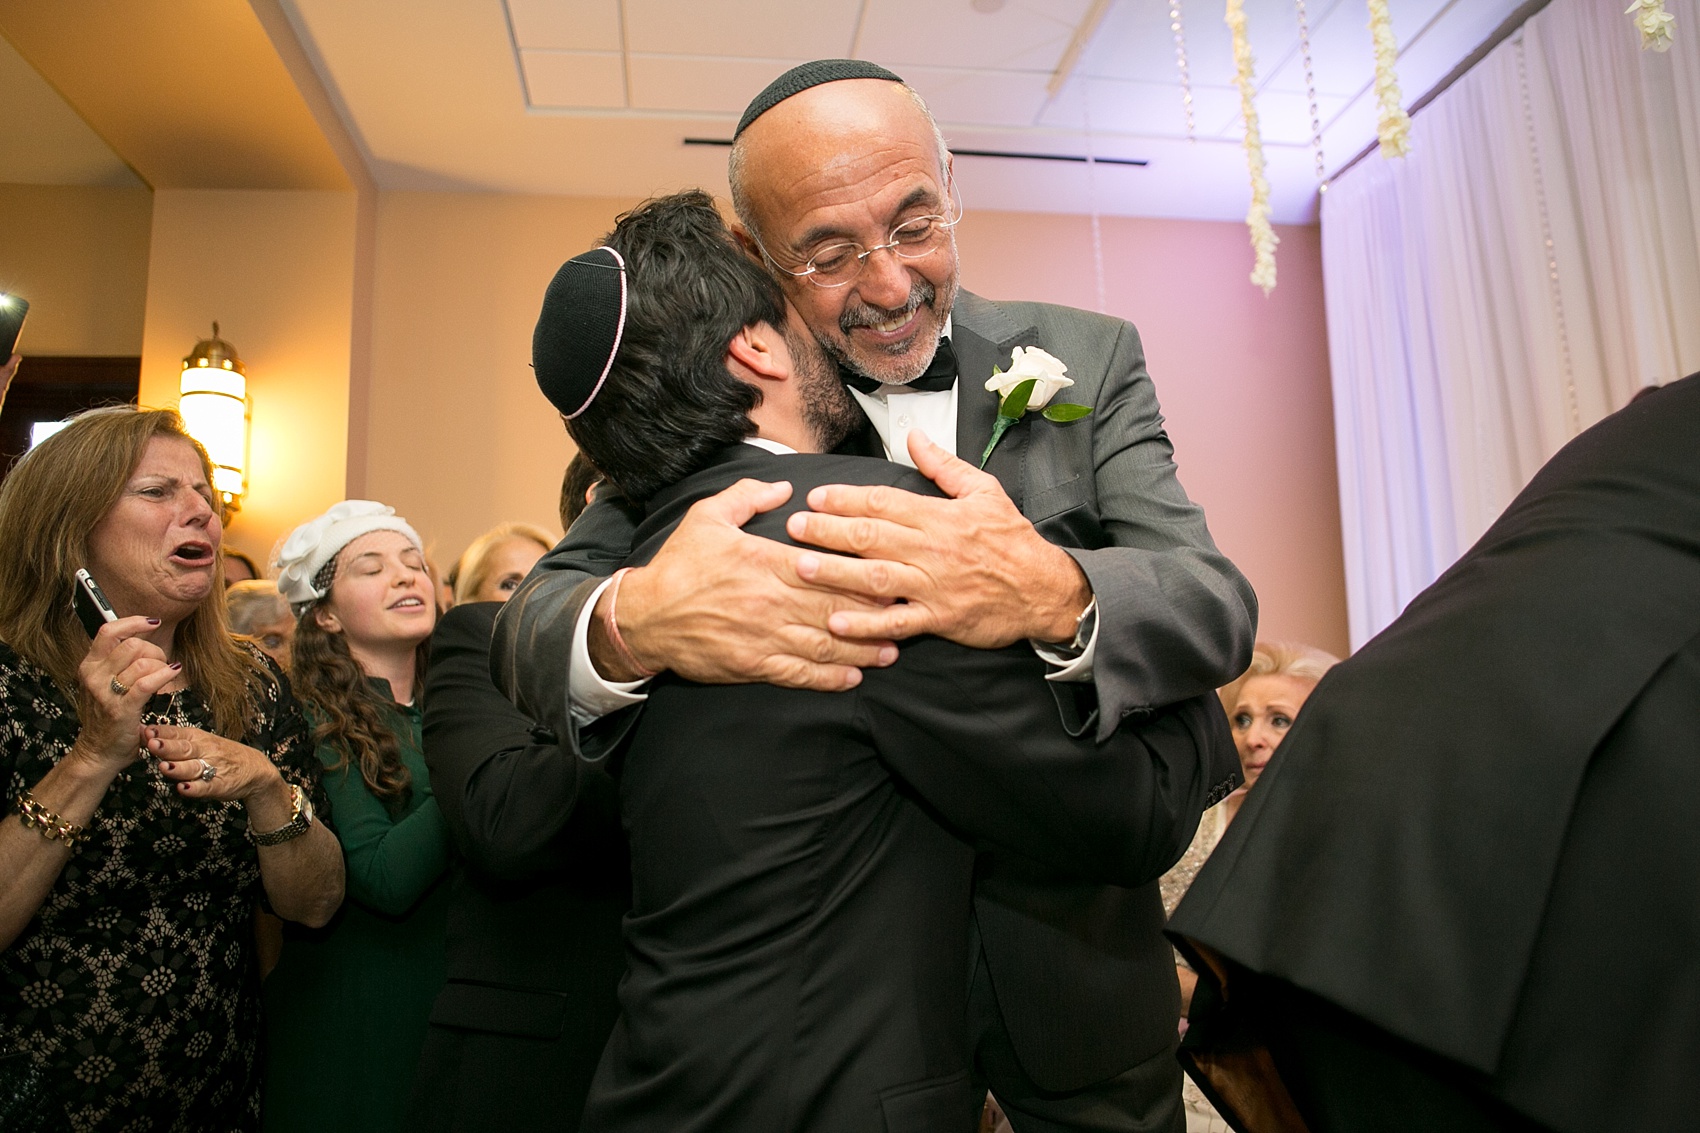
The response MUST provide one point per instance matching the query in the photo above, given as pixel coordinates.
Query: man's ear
(759, 351)
(748, 244)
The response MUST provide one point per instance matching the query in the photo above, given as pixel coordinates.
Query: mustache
(865, 315)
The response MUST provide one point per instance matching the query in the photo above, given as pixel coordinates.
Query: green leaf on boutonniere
(1016, 403)
(1065, 412)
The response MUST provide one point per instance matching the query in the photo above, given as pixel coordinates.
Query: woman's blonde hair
(1280, 659)
(55, 496)
(473, 569)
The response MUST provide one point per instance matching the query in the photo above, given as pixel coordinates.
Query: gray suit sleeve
(531, 650)
(1176, 618)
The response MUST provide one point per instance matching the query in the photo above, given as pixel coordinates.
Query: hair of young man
(669, 402)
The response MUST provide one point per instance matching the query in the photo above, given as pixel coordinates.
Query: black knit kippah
(578, 333)
(803, 76)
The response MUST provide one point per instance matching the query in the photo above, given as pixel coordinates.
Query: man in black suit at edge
(539, 888)
(1081, 542)
(803, 861)
(1465, 895)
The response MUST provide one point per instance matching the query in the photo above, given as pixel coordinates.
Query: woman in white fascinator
(347, 1008)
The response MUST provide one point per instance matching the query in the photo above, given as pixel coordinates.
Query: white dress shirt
(895, 411)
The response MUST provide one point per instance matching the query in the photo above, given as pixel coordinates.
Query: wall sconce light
(214, 408)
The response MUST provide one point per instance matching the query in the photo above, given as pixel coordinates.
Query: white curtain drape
(1530, 266)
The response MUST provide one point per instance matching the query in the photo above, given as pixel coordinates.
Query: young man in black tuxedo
(803, 862)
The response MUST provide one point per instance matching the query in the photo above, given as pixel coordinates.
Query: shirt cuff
(1074, 661)
(589, 696)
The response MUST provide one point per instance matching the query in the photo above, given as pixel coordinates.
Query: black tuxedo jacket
(803, 862)
(1479, 834)
(533, 943)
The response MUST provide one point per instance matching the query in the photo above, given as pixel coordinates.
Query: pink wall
(1243, 381)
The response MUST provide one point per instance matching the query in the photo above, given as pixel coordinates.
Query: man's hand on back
(723, 607)
(970, 568)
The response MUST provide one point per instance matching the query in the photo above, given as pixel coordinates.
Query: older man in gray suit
(1078, 538)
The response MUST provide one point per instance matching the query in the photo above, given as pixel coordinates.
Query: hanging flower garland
(1263, 238)
(1178, 26)
(1653, 22)
(1393, 125)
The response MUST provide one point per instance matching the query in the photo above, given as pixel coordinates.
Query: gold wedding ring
(118, 688)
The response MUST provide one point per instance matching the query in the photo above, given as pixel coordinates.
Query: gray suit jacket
(1084, 978)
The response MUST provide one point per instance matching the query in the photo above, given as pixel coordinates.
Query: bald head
(821, 128)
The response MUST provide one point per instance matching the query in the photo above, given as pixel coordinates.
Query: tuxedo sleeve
(975, 733)
(508, 791)
(531, 650)
(1176, 618)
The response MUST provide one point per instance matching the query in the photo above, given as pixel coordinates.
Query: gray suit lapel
(983, 336)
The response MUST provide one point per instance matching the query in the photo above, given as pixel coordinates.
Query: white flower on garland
(1651, 19)
(1033, 378)
(1393, 125)
(1263, 238)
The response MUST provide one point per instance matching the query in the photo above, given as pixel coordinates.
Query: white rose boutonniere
(1033, 378)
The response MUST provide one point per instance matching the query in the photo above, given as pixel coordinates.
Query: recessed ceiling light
(986, 6)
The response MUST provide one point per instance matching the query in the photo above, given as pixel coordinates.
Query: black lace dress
(135, 985)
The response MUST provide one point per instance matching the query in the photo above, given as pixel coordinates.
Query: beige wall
(1243, 381)
(80, 256)
(458, 437)
(277, 270)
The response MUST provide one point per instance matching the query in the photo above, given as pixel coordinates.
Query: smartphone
(93, 610)
(13, 308)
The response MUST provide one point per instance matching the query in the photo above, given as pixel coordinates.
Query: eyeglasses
(838, 265)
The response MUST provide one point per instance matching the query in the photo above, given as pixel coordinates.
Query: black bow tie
(939, 376)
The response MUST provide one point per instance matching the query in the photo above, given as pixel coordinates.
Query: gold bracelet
(51, 826)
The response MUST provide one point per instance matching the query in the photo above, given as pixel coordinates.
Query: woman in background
(1261, 706)
(256, 610)
(493, 566)
(348, 1007)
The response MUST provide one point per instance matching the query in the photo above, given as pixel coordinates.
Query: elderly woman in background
(494, 564)
(256, 610)
(1261, 706)
(165, 785)
(347, 1008)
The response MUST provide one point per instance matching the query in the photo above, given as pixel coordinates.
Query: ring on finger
(208, 772)
(119, 688)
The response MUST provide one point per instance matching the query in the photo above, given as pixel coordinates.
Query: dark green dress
(347, 1006)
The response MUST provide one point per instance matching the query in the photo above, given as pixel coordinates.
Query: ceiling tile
(1024, 35)
(566, 25)
(980, 98)
(777, 29)
(676, 82)
(1143, 108)
(562, 80)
